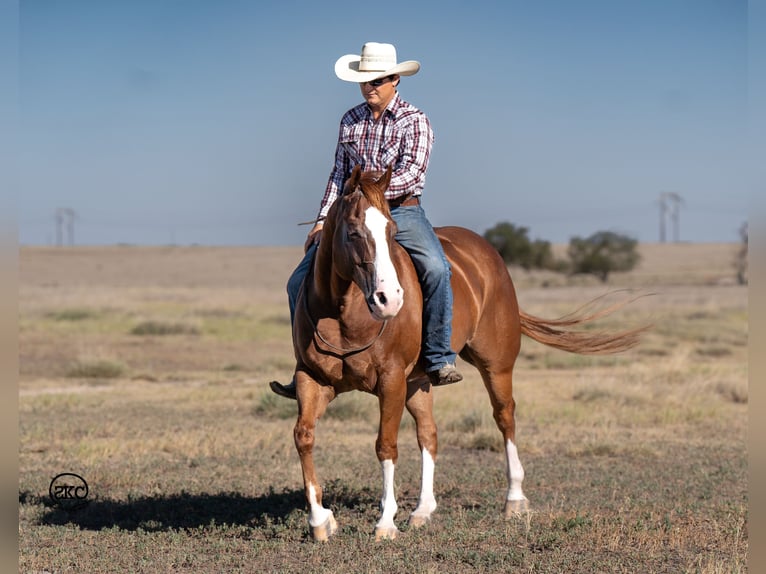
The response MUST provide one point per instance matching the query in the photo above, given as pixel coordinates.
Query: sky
(199, 122)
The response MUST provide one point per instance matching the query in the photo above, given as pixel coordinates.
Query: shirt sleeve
(410, 170)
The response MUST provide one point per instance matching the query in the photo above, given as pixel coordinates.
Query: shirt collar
(391, 109)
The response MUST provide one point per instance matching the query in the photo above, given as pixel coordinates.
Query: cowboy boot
(446, 375)
(287, 391)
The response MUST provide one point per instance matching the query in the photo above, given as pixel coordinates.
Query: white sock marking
(318, 514)
(515, 472)
(388, 502)
(427, 502)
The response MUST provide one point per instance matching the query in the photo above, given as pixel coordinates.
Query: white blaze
(389, 295)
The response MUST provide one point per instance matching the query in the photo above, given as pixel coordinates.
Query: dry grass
(633, 463)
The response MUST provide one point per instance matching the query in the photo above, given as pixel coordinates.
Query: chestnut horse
(358, 327)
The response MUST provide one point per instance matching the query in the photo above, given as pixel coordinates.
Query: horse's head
(363, 242)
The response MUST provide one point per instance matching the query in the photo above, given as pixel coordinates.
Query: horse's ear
(385, 179)
(353, 180)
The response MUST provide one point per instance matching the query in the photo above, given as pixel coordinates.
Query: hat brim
(347, 69)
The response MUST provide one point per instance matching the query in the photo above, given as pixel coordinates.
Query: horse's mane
(373, 186)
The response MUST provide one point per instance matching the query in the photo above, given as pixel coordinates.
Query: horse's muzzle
(385, 304)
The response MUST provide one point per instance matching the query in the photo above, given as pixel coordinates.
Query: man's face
(379, 96)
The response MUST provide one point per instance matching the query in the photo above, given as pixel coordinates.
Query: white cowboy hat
(377, 61)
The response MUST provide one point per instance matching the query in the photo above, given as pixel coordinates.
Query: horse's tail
(557, 333)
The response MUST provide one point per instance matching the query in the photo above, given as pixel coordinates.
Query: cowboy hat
(377, 61)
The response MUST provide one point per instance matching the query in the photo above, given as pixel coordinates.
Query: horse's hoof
(323, 532)
(419, 520)
(516, 508)
(386, 533)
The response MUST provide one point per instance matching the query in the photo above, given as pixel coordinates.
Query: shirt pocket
(349, 142)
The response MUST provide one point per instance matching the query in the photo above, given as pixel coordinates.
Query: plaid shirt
(402, 137)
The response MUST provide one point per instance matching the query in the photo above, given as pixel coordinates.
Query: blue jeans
(419, 240)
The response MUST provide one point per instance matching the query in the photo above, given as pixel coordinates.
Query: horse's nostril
(382, 298)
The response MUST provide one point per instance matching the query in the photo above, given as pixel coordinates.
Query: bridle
(315, 328)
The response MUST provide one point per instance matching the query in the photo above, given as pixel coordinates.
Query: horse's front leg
(312, 401)
(420, 405)
(391, 397)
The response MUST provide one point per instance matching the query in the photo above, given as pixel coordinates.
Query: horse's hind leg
(420, 406)
(500, 387)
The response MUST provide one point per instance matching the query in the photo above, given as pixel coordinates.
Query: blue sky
(184, 121)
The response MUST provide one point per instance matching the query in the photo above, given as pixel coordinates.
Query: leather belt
(404, 201)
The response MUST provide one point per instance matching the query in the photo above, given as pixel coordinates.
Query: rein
(315, 328)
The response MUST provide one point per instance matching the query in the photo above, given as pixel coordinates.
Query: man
(385, 130)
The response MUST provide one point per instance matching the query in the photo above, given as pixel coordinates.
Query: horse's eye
(353, 234)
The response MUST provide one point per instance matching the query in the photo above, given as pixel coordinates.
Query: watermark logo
(69, 491)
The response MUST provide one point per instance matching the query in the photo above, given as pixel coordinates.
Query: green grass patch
(485, 440)
(353, 406)
(161, 328)
(249, 326)
(73, 314)
(597, 449)
(569, 524)
(76, 320)
(561, 360)
(273, 406)
(233, 368)
(714, 352)
(471, 421)
(648, 351)
(589, 395)
(96, 369)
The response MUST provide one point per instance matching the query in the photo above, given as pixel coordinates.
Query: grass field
(144, 371)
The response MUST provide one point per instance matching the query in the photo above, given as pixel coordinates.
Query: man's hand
(314, 235)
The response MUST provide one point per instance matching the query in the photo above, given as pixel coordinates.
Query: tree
(602, 253)
(513, 245)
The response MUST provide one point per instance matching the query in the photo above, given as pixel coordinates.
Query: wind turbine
(670, 203)
(65, 216)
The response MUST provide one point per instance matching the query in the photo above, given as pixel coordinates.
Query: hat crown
(377, 57)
